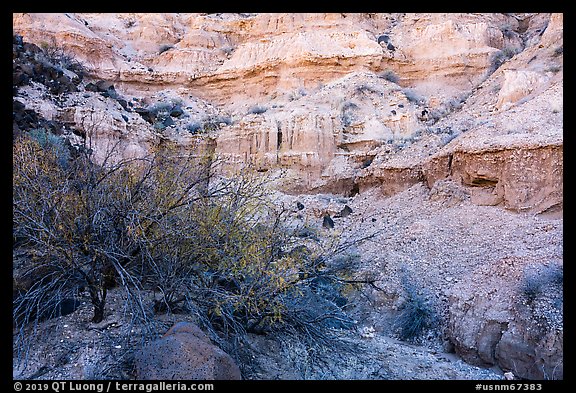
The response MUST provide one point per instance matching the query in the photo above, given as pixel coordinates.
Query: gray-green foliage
(216, 248)
(208, 123)
(501, 57)
(159, 126)
(389, 75)
(416, 312)
(559, 50)
(414, 97)
(228, 50)
(257, 109)
(51, 142)
(348, 114)
(535, 281)
(194, 127)
(162, 111)
(165, 48)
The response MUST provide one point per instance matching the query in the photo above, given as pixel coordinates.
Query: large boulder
(186, 353)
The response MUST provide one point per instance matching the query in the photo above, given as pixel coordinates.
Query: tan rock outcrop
(444, 53)
(554, 33)
(325, 135)
(518, 85)
(219, 56)
(523, 178)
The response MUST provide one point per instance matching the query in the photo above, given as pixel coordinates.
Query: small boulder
(184, 353)
(383, 38)
(145, 114)
(124, 104)
(345, 212)
(328, 222)
(17, 106)
(168, 122)
(176, 111)
(103, 85)
(91, 87)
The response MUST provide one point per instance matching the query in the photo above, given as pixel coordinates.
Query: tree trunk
(99, 303)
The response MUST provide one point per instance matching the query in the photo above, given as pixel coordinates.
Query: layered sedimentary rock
(222, 57)
(340, 102)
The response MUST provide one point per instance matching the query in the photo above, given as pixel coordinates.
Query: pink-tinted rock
(185, 353)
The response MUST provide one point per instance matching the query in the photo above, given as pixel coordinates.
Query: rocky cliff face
(340, 101)
(468, 107)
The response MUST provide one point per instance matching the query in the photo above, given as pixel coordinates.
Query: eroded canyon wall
(340, 102)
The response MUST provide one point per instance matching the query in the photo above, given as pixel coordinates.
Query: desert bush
(214, 247)
(257, 109)
(208, 123)
(413, 97)
(159, 126)
(501, 57)
(161, 112)
(226, 119)
(74, 215)
(300, 92)
(366, 89)
(347, 114)
(161, 109)
(164, 48)
(415, 314)
(447, 138)
(57, 56)
(559, 50)
(508, 32)
(213, 122)
(48, 141)
(389, 75)
(93, 225)
(534, 281)
(194, 127)
(228, 50)
(248, 274)
(447, 107)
